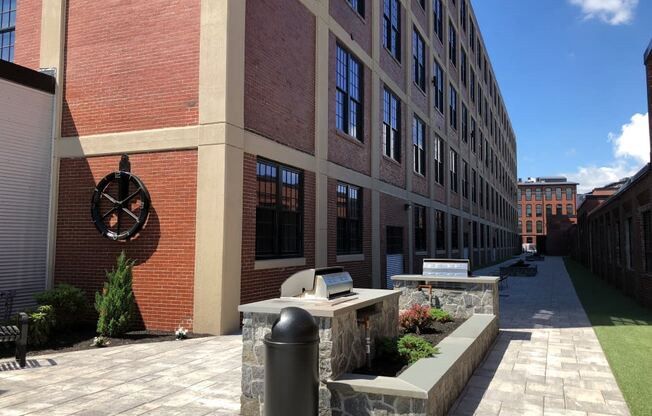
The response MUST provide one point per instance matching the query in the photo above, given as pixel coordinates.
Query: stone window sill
(344, 258)
(279, 263)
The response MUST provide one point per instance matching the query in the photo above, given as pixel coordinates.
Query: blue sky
(572, 76)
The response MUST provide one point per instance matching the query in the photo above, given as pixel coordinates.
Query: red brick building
(546, 211)
(272, 136)
(614, 236)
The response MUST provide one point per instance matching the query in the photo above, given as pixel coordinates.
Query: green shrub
(41, 324)
(115, 304)
(412, 348)
(387, 348)
(440, 315)
(69, 303)
(414, 319)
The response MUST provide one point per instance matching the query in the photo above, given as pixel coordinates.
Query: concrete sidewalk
(547, 359)
(192, 377)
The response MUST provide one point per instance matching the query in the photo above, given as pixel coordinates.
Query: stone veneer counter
(341, 345)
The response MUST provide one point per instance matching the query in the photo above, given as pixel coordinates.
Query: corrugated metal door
(25, 165)
(394, 243)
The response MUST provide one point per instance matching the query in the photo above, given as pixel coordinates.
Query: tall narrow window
(418, 59)
(463, 66)
(647, 240)
(464, 121)
(559, 209)
(481, 192)
(453, 170)
(558, 193)
(452, 104)
(539, 210)
(452, 43)
(472, 36)
(528, 210)
(537, 194)
(548, 210)
(392, 28)
(420, 234)
(569, 194)
(439, 160)
(474, 179)
(438, 82)
(473, 135)
(438, 13)
(528, 194)
(465, 179)
(528, 227)
(7, 29)
(440, 223)
(348, 95)
(463, 14)
(472, 86)
(419, 145)
(548, 194)
(569, 209)
(279, 211)
(391, 126)
(349, 219)
(357, 5)
(455, 230)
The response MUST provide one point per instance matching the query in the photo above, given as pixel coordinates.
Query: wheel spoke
(130, 214)
(130, 197)
(109, 212)
(109, 197)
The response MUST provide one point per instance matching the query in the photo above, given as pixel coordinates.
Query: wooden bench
(18, 335)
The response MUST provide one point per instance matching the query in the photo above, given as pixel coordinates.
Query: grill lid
(324, 283)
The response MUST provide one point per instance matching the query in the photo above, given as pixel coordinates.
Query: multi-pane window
(279, 211)
(558, 193)
(520, 210)
(455, 229)
(7, 29)
(473, 135)
(481, 192)
(528, 226)
(539, 210)
(463, 66)
(391, 126)
(479, 101)
(452, 43)
(357, 5)
(465, 124)
(465, 179)
(439, 160)
(569, 194)
(537, 194)
(348, 94)
(440, 224)
(472, 86)
(569, 209)
(548, 209)
(647, 240)
(438, 82)
(463, 14)
(472, 36)
(559, 209)
(349, 219)
(528, 194)
(392, 28)
(528, 210)
(548, 194)
(452, 106)
(419, 145)
(474, 179)
(539, 227)
(452, 163)
(438, 11)
(418, 59)
(420, 234)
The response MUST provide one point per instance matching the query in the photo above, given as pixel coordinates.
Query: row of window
(538, 194)
(528, 227)
(614, 240)
(539, 213)
(280, 214)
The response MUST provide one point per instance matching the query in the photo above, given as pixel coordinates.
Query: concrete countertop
(365, 297)
(446, 279)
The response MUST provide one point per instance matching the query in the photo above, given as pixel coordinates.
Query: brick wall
(279, 97)
(360, 270)
(28, 33)
(342, 148)
(393, 67)
(391, 171)
(164, 250)
(264, 284)
(359, 27)
(128, 62)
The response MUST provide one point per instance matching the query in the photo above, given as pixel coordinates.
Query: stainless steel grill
(446, 267)
(331, 284)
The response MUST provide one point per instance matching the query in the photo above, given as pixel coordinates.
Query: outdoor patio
(546, 361)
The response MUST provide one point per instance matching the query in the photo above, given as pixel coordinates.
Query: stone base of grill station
(341, 346)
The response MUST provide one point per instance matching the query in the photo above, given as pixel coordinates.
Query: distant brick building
(546, 211)
(273, 136)
(614, 232)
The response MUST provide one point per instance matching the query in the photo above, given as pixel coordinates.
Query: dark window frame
(357, 6)
(439, 167)
(438, 12)
(419, 145)
(438, 84)
(452, 43)
(420, 229)
(352, 94)
(392, 28)
(440, 230)
(350, 227)
(7, 29)
(452, 106)
(418, 59)
(391, 125)
(453, 160)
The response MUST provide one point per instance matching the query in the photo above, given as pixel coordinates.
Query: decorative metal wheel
(120, 205)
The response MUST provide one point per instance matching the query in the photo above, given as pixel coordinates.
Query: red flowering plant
(415, 319)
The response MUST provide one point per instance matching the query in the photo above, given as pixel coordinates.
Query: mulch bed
(81, 339)
(390, 367)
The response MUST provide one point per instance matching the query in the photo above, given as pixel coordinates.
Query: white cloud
(613, 12)
(631, 150)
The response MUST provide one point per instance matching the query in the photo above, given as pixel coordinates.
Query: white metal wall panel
(25, 164)
(394, 267)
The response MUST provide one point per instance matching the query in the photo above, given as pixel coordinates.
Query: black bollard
(292, 365)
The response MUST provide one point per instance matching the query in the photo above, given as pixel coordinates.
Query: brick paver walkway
(192, 377)
(547, 359)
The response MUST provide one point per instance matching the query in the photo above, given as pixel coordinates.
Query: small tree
(115, 304)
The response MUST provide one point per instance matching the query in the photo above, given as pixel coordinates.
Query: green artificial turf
(624, 330)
